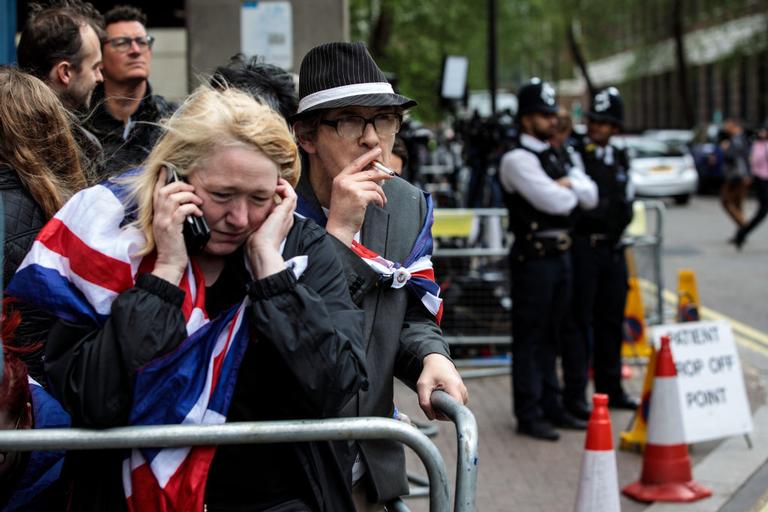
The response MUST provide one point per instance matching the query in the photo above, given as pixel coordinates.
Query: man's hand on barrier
(439, 373)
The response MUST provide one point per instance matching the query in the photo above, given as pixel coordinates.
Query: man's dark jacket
(126, 146)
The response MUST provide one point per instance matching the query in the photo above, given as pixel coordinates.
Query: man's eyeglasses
(123, 44)
(352, 127)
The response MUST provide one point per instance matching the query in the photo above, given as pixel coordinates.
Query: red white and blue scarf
(79, 263)
(416, 272)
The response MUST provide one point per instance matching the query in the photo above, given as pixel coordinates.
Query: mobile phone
(196, 231)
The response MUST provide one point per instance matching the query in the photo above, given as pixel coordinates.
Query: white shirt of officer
(521, 173)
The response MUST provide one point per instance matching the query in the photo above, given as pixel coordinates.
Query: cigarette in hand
(384, 168)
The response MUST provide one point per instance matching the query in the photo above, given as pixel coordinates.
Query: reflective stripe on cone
(666, 474)
(598, 485)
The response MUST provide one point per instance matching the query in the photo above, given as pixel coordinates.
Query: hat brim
(602, 118)
(361, 100)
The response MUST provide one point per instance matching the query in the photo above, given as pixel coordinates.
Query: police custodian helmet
(536, 96)
(607, 107)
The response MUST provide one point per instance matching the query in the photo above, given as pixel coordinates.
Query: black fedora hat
(338, 75)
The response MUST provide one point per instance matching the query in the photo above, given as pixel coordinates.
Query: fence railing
(471, 248)
(341, 429)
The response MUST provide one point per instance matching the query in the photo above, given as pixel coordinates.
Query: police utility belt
(602, 240)
(541, 245)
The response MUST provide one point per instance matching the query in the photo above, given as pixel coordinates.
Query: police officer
(540, 195)
(600, 269)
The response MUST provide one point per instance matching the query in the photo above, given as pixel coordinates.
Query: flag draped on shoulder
(78, 265)
(416, 273)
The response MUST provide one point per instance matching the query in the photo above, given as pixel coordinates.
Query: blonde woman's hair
(211, 119)
(36, 140)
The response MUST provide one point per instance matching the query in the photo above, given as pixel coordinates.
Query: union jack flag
(416, 272)
(78, 265)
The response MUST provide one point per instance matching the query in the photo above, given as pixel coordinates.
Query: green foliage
(531, 37)
(423, 32)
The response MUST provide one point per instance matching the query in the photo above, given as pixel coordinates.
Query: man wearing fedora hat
(347, 120)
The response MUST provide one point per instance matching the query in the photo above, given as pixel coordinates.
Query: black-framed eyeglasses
(352, 127)
(123, 44)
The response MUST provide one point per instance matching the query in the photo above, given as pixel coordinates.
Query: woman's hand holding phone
(263, 245)
(172, 203)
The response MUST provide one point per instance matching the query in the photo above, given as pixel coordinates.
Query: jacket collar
(532, 143)
(146, 106)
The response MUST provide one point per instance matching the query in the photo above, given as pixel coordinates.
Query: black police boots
(538, 429)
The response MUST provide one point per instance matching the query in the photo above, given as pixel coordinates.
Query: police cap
(536, 96)
(607, 107)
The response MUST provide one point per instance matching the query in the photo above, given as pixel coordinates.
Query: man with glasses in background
(126, 111)
(346, 124)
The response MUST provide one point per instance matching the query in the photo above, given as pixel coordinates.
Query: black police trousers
(594, 326)
(541, 294)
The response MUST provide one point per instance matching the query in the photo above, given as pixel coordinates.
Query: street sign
(710, 383)
(266, 30)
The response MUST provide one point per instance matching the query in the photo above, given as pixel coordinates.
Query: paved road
(519, 474)
(730, 281)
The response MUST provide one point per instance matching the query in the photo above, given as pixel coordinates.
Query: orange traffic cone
(635, 337)
(634, 437)
(666, 474)
(599, 485)
(687, 296)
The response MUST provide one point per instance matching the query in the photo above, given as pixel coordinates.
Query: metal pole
(492, 53)
(467, 454)
(659, 235)
(397, 506)
(241, 433)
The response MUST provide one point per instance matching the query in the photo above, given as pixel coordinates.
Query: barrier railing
(467, 453)
(470, 255)
(653, 240)
(342, 429)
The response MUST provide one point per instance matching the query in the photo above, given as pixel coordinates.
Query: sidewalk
(517, 473)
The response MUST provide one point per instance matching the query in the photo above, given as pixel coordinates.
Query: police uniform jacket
(609, 168)
(536, 202)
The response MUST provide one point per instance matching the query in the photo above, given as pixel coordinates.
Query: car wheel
(682, 199)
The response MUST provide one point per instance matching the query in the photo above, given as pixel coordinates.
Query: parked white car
(658, 169)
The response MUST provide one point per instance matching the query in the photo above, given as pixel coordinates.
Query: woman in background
(39, 170)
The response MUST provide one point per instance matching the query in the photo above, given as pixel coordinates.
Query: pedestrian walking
(736, 173)
(758, 158)
(541, 196)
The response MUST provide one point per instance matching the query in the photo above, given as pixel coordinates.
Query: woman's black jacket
(305, 360)
(23, 219)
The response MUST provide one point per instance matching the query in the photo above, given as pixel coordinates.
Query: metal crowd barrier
(341, 429)
(651, 240)
(471, 254)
